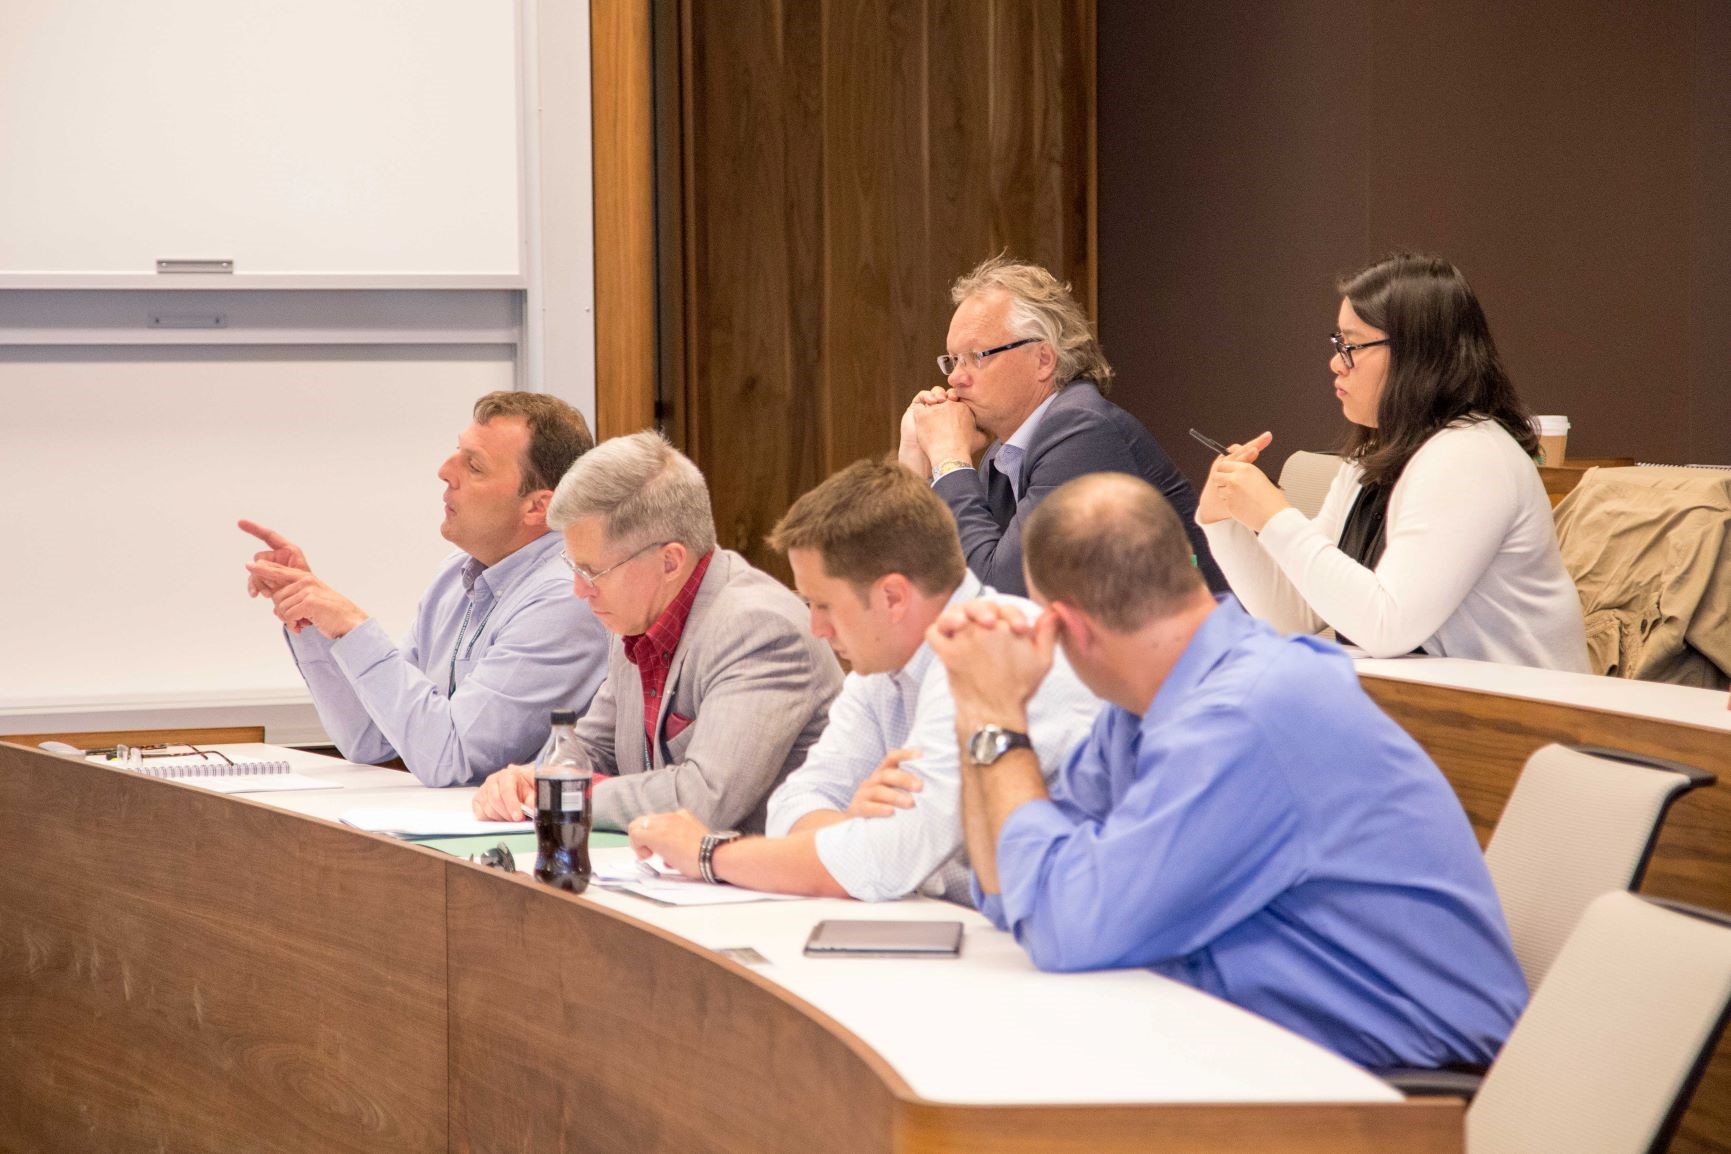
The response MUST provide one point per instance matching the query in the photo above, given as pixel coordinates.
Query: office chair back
(1582, 820)
(1611, 1047)
(1305, 478)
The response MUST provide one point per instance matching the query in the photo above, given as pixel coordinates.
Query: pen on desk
(1209, 441)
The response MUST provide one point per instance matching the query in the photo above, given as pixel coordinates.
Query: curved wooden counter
(186, 971)
(1481, 721)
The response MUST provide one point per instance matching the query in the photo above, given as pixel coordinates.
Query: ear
(535, 514)
(1046, 361)
(673, 555)
(1076, 626)
(897, 593)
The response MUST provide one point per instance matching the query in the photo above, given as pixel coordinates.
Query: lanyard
(473, 641)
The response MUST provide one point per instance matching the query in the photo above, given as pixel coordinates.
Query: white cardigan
(1471, 568)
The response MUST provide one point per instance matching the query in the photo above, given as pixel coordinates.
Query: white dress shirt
(880, 858)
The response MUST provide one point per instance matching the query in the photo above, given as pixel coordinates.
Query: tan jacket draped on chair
(1649, 551)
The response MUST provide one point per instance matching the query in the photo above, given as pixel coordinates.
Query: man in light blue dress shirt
(1242, 818)
(874, 811)
(498, 641)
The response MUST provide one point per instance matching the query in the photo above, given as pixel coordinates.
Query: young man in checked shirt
(874, 812)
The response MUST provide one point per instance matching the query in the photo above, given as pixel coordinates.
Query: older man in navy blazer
(1026, 373)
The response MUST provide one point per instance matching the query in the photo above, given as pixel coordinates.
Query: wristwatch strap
(706, 853)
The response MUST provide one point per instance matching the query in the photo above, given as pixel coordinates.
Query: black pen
(1209, 441)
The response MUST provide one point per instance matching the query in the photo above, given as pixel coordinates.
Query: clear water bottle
(564, 784)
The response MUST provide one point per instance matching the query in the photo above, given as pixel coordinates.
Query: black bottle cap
(564, 717)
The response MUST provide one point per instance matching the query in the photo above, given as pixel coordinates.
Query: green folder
(521, 845)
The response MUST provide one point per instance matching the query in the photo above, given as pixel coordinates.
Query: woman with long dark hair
(1436, 535)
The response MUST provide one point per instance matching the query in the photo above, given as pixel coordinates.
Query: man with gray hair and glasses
(1025, 372)
(715, 690)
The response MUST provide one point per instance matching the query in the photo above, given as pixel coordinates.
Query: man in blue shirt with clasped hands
(1242, 817)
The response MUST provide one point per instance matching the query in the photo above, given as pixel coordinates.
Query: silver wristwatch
(706, 852)
(991, 742)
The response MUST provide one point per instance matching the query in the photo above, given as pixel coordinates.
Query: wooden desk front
(186, 971)
(1480, 722)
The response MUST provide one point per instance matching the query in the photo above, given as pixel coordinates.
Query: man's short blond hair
(1041, 306)
(874, 518)
(1110, 545)
(642, 488)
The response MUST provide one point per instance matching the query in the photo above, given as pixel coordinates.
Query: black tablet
(877, 939)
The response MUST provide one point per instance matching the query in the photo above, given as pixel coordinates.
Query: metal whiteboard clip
(195, 266)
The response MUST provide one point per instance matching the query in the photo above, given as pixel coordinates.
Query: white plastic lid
(1551, 426)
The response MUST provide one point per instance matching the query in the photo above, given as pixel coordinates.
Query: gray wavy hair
(1041, 306)
(643, 489)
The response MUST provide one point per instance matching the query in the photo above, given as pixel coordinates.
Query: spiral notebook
(241, 776)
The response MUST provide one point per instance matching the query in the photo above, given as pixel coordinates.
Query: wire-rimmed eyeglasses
(591, 578)
(134, 755)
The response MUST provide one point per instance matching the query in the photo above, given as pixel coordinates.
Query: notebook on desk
(219, 774)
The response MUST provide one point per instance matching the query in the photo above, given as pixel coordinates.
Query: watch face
(987, 745)
(991, 742)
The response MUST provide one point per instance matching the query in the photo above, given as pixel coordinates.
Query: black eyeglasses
(1345, 350)
(947, 364)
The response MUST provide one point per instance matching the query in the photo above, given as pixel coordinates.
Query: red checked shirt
(652, 652)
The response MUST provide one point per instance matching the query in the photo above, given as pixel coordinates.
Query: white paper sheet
(411, 821)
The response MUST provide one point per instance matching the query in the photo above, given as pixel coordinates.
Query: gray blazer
(1081, 433)
(754, 682)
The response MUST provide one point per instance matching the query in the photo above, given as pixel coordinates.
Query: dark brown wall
(1569, 156)
(842, 161)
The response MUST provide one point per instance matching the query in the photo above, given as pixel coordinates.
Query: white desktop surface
(1705, 708)
(1010, 1033)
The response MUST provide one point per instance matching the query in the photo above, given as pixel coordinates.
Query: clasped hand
(1238, 490)
(936, 427)
(996, 660)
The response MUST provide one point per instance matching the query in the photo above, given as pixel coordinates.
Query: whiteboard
(122, 474)
(318, 137)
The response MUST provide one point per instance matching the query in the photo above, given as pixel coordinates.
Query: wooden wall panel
(843, 161)
(622, 112)
(753, 168)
